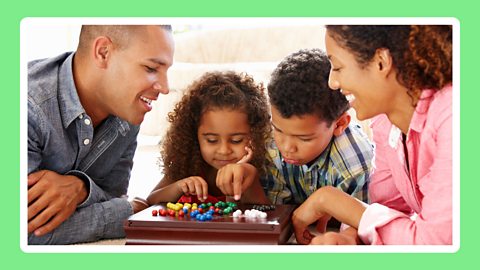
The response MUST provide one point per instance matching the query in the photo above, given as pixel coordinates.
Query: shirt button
(87, 121)
(86, 141)
(81, 116)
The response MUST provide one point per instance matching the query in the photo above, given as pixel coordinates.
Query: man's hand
(52, 198)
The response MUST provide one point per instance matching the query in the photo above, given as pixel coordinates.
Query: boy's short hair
(299, 86)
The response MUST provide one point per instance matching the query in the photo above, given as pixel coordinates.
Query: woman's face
(364, 86)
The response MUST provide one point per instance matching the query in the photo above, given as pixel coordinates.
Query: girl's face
(223, 135)
(365, 87)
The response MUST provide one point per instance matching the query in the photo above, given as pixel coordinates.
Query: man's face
(137, 74)
(300, 139)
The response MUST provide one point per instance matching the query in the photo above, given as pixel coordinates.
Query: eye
(305, 139)
(237, 141)
(212, 141)
(335, 69)
(150, 69)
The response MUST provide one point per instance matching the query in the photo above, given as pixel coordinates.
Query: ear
(102, 49)
(383, 61)
(341, 124)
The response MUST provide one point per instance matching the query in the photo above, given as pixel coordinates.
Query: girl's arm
(171, 191)
(164, 191)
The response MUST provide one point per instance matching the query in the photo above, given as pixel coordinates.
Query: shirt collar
(70, 106)
(420, 113)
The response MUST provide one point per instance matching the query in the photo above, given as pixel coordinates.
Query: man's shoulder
(43, 77)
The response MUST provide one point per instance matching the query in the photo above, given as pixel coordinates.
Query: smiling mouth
(350, 97)
(146, 100)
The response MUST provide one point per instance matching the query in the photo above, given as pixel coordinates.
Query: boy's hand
(234, 179)
(194, 185)
(52, 198)
(307, 213)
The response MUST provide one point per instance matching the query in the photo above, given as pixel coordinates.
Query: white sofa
(256, 51)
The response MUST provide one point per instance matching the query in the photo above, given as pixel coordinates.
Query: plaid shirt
(345, 163)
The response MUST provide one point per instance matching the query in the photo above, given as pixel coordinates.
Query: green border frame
(13, 13)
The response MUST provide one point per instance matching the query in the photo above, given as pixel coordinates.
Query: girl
(220, 124)
(402, 75)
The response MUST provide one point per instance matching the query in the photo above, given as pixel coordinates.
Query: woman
(401, 77)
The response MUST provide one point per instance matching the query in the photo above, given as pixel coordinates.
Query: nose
(288, 145)
(224, 148)
(333, 83)
(161, 86)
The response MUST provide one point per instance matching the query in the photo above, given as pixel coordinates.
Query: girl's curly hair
(214, 90)
(422, 54)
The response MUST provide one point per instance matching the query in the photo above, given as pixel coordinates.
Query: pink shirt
(412, 207)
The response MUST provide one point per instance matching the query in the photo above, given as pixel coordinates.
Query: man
(84, 109)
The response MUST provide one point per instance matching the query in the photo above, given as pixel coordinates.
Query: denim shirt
(61, 138)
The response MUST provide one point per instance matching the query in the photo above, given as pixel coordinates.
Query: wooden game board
(144, 229)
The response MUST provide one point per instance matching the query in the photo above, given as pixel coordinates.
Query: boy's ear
(341, 124)
(101, 49)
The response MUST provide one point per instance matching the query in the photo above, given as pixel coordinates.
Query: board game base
(145, 229)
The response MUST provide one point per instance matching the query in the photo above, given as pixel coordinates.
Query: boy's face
(222, 136)
(300, 139)
(138, 74)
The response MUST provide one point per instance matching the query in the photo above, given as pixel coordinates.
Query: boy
(315, 144)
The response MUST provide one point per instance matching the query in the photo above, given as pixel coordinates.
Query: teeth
(350, 97)
(147, 100)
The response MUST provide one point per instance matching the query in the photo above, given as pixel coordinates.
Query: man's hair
(299, 86)
(119, 34)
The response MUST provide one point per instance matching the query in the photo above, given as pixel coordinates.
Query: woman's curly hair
(422, 54)
(214, 90)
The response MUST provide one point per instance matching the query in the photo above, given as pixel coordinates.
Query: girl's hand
(194, 185)
(247, 157)
(234, 179)
(138, 204)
